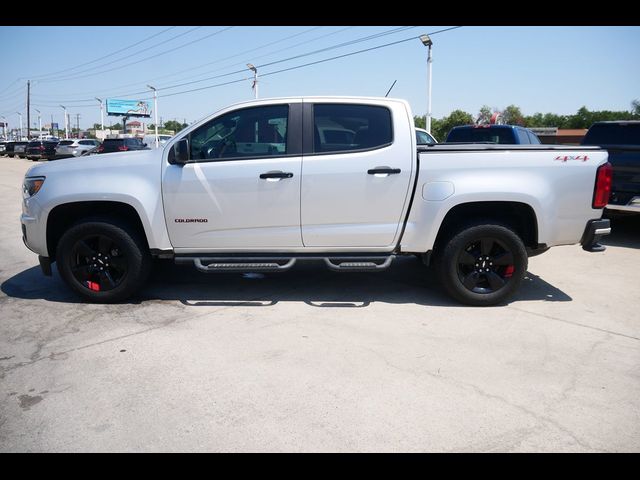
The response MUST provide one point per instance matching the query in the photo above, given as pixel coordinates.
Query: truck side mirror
(179, 154)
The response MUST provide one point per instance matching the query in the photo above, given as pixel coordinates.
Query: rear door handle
(384, 170)
(278, 175)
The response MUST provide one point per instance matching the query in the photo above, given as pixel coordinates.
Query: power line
(140, 60)
(307, 64)
(215, 61)
(333, 47)
(104, 56)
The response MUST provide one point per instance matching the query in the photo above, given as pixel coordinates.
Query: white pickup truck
(263, 184)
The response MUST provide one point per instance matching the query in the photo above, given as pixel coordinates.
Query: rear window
(473, 135)
(111, 141)
(66, 142)
(34, 143)
(613, 134)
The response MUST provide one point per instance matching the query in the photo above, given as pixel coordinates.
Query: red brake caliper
(93, 286)
(508, 272)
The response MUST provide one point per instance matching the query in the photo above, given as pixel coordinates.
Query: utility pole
(39, 124)
(28, 110)
(20, 115)
(101, 114)
(78, 123)
(52, 126)
(426, 41)
(155, 111)
(66, 130)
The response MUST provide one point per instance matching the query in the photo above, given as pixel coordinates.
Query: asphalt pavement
(313, 360)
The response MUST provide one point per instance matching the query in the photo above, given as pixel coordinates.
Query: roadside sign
(129, 108)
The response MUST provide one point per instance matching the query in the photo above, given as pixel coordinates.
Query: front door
(241, 188)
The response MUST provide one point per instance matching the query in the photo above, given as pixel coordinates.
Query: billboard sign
(54, 126)
(130, 108)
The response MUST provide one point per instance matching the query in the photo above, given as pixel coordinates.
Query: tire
(481, 264)
(103, 260)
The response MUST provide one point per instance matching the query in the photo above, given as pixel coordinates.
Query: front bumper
(594, 231)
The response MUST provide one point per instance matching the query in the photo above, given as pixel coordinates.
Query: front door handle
(383, 170)
(278, 175)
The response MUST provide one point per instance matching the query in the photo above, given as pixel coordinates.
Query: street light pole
(426, 41)
(255, 79)
(20, 115)
(5, 128)
(155, 110)
(39, 124)
(101, 114)
(66, 129)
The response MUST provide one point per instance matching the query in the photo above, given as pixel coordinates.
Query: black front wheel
(481, 264)
(102, 260)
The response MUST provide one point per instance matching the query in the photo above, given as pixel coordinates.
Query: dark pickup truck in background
(622, 141)
(501, 134)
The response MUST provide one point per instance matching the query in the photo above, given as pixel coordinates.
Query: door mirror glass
(179, 153)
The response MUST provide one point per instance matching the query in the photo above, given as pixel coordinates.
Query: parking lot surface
(313, 360)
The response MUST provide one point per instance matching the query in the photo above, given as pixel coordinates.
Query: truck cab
(500, 134)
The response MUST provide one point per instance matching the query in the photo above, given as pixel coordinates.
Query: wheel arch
(63, 216)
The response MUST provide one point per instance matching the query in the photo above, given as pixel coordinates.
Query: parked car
(501, 134)
(8, 148)
(19, 148)
(424, 138)
(75, 147)
(622, 141)
(150, 140)
(41, 150)
(253, 188)
(121, 145)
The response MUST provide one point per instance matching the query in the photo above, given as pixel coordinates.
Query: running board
(237, 263)
(357, 264)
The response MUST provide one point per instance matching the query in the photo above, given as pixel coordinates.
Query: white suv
(75, 148)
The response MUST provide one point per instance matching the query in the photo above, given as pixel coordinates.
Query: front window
(250, 132)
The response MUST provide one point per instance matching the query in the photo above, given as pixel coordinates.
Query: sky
(540, 69)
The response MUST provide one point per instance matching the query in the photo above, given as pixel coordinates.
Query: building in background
(559, 136)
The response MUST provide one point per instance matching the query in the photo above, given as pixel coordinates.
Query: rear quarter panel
(559, 191)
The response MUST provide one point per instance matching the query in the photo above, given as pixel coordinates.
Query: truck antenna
(394, 82)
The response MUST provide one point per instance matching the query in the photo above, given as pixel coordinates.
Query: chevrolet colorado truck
(261, 185)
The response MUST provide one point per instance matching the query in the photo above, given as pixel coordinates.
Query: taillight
(123, 148)
(40, 147)
(101, 148)
(602, 190)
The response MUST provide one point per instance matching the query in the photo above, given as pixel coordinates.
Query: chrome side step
(357, 264)
(238, 263)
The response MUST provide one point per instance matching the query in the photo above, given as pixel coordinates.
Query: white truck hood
(100, 162)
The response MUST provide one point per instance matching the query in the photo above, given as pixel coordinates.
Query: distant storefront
(560, 136)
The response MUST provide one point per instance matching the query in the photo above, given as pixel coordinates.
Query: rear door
(355, 173)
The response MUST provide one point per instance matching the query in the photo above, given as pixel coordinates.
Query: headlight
(31, 186)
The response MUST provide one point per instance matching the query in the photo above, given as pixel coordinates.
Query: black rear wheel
(103, 260)
(482, 264)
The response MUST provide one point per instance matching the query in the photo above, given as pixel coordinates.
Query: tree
(484, 116)
(635, 107)
(440, 128)
(512, 115)
(174, 125)
(420, 121)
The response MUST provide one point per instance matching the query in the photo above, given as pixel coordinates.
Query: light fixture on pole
(39, 124)
(155, 110)
(66, 129)
(20, 115)
(255, 79)
(101, 114)
(426, 41)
